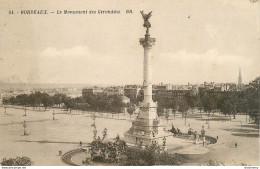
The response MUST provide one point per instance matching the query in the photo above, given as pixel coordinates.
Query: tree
(117, 103)
(174, 106)
(140, 96)
(32, 100)
(215, 163)
(22, 99)
(183, 108)
(18, 161)
(253, 102)
(227, 107)
(95, 102)
(149, 156)
(39, 97)
(192, 101)
(6, 101)
(104, 134)
(200, 105)
(57, 98)
(35, 99)
(160, 110)
(133, 99)
(69, 103)
(242, 105)
(131, 107)
(167, 115)
(47, 101)
(168, 105)
(12, 100)
(234, 102)
(208, 104)
(216, 102)
(229, 104)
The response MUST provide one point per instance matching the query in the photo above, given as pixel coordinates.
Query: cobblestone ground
(46, 137)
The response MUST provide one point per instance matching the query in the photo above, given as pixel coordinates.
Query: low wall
(197, 158)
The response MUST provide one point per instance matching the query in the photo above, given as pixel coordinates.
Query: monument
(145, 129)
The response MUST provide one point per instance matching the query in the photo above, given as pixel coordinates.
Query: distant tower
(239, 78)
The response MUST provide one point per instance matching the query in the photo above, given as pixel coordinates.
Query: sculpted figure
(146, 17)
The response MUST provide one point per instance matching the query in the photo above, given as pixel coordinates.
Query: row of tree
(34, 99)
(112, 103)
(229, 103)
(105, 103)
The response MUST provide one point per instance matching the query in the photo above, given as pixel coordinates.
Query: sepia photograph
(130, 83)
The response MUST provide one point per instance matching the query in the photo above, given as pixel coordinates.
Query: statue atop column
(147, 41)
(146, 18)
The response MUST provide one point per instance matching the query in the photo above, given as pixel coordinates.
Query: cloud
(182, 67)
(76, 51)
(210, 56)
(79, 65)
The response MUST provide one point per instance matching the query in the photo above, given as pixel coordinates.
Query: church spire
(240, 77)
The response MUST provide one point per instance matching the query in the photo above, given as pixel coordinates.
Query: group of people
(175, 131)
(196, 137)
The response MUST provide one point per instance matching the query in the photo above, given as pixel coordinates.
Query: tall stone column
(147, 43)
(145, 129)
(148, 102)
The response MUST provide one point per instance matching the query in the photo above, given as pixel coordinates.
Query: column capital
(147, 41)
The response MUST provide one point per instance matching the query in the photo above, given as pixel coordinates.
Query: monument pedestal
(135, 136)
(146, 128)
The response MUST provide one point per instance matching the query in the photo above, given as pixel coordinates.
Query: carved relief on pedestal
(142, 132)
(144, 109)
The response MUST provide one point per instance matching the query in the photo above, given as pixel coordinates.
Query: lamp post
(24, 110)
(95, 133)
(24, 128)
(246, 115)
(53, 115)
(94, 121)
(164, 141)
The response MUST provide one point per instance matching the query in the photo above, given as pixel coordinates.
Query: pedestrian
(178, 131)
(202, 131)
(153, 133)
(80, 143)
(189, 132)
(236, 145)
(217, 137)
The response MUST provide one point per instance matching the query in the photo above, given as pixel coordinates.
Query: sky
(196, 41)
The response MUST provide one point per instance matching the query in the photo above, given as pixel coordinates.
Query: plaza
(46, 137)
